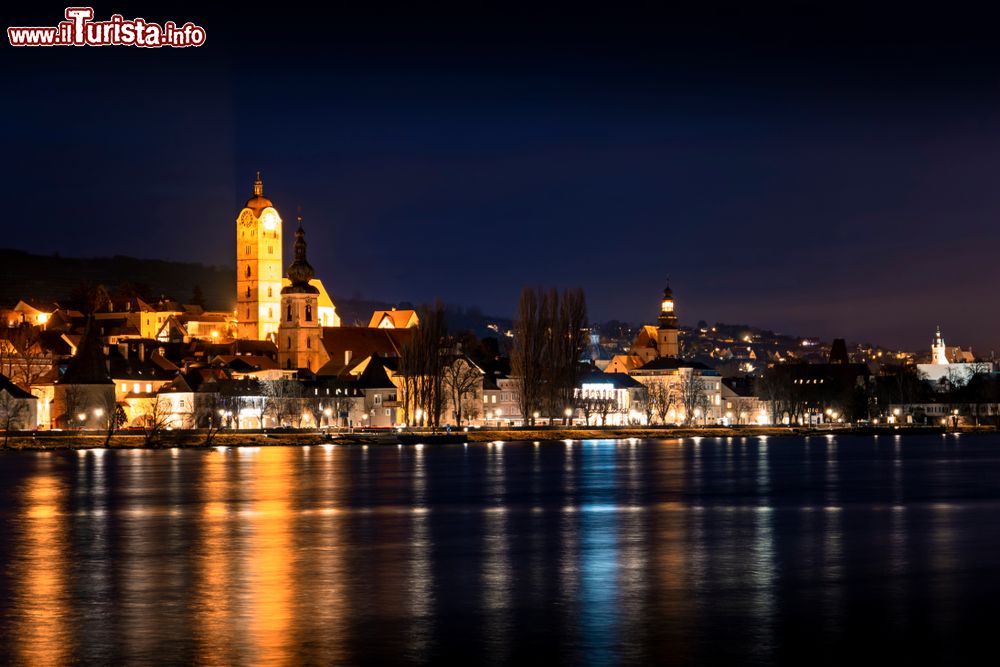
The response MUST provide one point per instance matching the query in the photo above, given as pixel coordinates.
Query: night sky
(820, 172)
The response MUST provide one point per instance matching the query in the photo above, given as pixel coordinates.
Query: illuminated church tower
(666, 329)
(939, 351)
(258, 266)
(300, 334)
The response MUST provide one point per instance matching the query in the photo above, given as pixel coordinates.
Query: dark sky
(825, 172)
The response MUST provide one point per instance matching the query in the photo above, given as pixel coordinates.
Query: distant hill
(55, 278)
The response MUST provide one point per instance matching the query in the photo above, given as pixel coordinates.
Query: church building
(300, 332)
(258, 266)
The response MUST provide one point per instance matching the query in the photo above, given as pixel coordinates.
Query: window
(270, 249)
(248, 291)
(308, 343)
(149, 388)
(289, 342)
(124, 387)
(288, 315)
(388, 412)
(378, 399)
(135, 388)
(248, 312)
(494, 398)
(269, 291)
(248, 270)
(309, 313)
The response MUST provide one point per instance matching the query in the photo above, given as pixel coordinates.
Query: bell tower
(666, 330)
(300, 333)
(258, 266)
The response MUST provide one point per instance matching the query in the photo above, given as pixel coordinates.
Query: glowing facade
(258, 267)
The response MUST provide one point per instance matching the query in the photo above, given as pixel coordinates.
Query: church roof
(13, 389)
(258, 202)
(300, 272)
(89, 366)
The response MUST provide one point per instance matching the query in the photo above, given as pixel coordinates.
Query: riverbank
(193, 439)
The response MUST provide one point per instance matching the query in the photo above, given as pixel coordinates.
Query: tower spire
(258, 186)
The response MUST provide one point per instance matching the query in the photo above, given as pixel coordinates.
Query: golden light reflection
(43, 623)
(212, 607)
(322, 560)
(269, 557)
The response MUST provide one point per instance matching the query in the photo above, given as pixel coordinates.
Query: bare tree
(662, 399)
(461, 377)
(73, 402)
(154, 419)
(114, 416)
(422, 366)
(528, 353)
(692, 395)
(12, 413)
(209, 414)
(283, 401)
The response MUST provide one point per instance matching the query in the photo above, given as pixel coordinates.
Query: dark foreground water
(744, 551)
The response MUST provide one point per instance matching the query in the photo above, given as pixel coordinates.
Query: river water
(692, 551)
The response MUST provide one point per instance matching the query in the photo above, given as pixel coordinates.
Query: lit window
(124, 387)
(135, 388)
(149, 388)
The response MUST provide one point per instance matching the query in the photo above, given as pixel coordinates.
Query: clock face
(270, 219)
(246, 218)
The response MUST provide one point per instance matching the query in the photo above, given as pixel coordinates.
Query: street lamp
(569, 416)
(534, 417)
(99, 412)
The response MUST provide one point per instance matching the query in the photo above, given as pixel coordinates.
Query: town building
(300, 332)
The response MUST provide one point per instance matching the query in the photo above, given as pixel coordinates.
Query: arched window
(308, 343)
(269, 291)
(288, 364)
(248, 270)
(248, 312)
(248, 291)
(309, 313)
(288, 313)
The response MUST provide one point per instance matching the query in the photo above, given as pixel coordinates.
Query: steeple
(300, 272)
(258, 186)
(668, 318)
(939, 352)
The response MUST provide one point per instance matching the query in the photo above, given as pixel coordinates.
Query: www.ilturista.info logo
(79, 29)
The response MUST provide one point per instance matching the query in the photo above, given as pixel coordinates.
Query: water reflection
(672, 552)
(42, 630)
